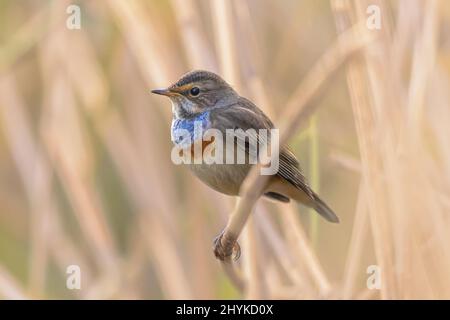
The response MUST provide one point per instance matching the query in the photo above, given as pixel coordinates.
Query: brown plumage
(227, 110)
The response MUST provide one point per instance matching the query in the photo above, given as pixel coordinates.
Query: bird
(203, 97)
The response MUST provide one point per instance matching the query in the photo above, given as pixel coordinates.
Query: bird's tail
(321, 207)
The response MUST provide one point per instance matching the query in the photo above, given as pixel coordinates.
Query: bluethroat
(204, 98)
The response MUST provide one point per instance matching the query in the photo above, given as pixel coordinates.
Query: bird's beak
(164, 92)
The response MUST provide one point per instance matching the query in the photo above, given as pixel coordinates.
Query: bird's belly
(225, 178)
(209, 164)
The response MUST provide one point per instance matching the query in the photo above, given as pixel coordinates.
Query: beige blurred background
(86, 177)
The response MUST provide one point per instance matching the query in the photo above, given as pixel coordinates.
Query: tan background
(85, 170)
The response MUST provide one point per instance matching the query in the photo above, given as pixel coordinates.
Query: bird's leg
(225, 246)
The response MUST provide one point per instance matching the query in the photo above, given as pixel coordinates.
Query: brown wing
(245, 115)
(289, 170)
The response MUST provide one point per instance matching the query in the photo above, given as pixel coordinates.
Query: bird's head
(198, 91)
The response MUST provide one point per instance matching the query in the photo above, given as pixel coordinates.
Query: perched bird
(205, 98)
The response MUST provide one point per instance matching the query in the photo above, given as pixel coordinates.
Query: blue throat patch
(186, 131)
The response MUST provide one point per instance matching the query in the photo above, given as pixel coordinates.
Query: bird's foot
(226, 247)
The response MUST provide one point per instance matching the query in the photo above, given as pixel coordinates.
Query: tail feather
(277, 196)
(324, 210)
(283, 189)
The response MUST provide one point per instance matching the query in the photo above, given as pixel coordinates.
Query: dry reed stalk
(346, 161)
(198, 51)
(295, 256)
(134, 268)
(289, 36)
(9, 289)
(358, 239)
(42, 201)
(426, 263)
(83, 74)
(431, 232)
(228, 58)
(65, 251)
(400, 107)
(255, 277)
(393, 163)
(423, 63)
(157, 202)
(383, 96)
(405, 252)
(303, 252)
(314, 175)
(300, 106)
(154, 228)
(196, 203)
(35, 178)
(69, 152)
(24, 39)
(364, 124)
(258, 92)
(225, 41)
(150, 49)
(283, 256)
(251, 64)
(205, 267)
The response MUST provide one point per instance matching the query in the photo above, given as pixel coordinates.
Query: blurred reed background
(86, 175)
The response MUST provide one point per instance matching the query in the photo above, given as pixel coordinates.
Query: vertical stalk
(314, 174)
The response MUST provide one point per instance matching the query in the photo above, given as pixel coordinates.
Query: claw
(236, 251)
(231, 248)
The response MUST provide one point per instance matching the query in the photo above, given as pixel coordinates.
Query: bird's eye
(195, 91)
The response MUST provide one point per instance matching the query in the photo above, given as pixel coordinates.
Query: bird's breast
(185, 131)
(205, 156)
